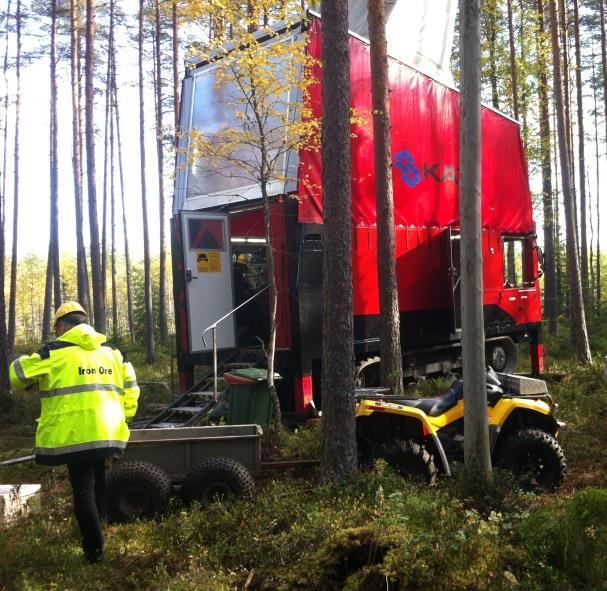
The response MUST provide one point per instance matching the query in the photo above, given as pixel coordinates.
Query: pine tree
(391, 356)
(339, 457)
(476, 444)
(578, 319)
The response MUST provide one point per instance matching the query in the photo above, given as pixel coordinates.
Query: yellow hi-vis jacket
(87, 391)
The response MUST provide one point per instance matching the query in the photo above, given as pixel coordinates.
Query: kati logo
(413, 176)
(409, 172)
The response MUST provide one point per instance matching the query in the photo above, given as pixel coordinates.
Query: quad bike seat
(435, 407)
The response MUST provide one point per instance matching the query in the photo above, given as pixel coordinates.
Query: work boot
(93, 556)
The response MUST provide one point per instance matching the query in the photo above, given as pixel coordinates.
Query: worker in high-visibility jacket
(88, 391)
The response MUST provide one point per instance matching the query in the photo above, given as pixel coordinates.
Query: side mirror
(540, 261)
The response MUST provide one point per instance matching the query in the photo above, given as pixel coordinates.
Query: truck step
(187, 409)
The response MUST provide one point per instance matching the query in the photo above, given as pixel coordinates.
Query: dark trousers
(88, 488)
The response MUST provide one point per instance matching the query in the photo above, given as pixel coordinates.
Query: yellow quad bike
(422, 437)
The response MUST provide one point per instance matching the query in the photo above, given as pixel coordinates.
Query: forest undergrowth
(378, 532)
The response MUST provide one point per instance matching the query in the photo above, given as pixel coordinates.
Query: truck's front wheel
(535, 457)
(501, 355)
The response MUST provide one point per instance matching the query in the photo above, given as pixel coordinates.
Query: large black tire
(536, 459)
(136, 490)
(217, 479)
(501, 355)
(409, 459)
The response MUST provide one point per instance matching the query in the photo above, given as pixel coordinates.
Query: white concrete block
(17, 500)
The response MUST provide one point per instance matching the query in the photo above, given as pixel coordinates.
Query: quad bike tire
(409, 459)
(217, 479)
(135, 490)
(536, 459)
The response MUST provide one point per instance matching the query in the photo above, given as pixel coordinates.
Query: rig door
(455, 274)
(208, 274)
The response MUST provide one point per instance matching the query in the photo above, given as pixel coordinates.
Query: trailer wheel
(501, 355)
(536, 459)
(217, 479)
(137, 489)
(366, 373)
(409, 459)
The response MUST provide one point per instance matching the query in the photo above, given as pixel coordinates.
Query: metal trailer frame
(178, 450)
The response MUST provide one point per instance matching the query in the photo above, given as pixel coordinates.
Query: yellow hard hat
(67, 308)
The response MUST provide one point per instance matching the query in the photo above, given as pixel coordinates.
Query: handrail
(213, 328)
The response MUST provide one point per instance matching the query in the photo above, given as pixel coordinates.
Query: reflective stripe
(79, 389)
(19, 371)
(56, 451)
(131, 384)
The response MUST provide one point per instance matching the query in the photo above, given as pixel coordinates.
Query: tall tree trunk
(12, 298)
(513, 66)
(524, 88)
(53, 285)
(597, 262)
(98, 302)
(566, 68)
(578, 319)
(273, 291)
(476, 444)
(82, 275)
(162, 313)
(550, 287)
(490, 14)
(391, 356)
(510, 258)
(562, 305)
(150, 355)
(581, 157)
(5, 68)
(604, 67)
(106, 154)
(339, 458)
(564, 39)
(127, 256)
(176, 105)
(4, 372)
(48, 297)
(54, 161)
(115, 331)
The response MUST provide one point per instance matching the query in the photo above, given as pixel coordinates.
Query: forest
(112, 72)
(84, 45)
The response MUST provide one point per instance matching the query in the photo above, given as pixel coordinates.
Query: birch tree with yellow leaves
(262, 77)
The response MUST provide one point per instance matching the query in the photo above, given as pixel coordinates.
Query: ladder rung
(188, 409)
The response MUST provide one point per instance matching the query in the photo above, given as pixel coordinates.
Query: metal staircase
(203, 402)
(196, 406)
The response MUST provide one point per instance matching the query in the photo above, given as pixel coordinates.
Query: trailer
(219, 246)
(202, 464)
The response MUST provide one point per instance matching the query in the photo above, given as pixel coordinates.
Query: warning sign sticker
(208, 262)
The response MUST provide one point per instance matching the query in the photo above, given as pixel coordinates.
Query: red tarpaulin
(425, 153)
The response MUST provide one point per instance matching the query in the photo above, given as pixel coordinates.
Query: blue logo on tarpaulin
(409, 172)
